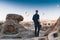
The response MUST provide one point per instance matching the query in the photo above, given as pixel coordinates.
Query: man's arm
(39, 20)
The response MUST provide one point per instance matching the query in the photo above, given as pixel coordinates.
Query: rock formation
(12, 28)
(54, 31)
(53, 27)
(14, 17)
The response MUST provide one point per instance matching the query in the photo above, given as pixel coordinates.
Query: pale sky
(50, 12)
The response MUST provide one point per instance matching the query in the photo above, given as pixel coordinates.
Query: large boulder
(15, 17)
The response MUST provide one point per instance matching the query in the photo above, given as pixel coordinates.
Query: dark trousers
(37, 29)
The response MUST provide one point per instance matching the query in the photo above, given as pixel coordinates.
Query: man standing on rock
(36, 23)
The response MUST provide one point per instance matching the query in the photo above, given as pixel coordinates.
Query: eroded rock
(14, 17)
(11, 28)
(55, 34)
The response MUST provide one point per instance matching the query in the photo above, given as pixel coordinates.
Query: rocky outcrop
(12, 28)
(14, 17)
(53, 27)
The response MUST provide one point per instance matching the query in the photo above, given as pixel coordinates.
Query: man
(36, 23)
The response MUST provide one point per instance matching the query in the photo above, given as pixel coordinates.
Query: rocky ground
(28, 34)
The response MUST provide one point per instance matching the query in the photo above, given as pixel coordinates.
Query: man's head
(36, 11)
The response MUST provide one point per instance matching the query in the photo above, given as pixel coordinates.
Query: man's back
(35, 19)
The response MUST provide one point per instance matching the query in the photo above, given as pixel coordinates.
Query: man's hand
(39, 20)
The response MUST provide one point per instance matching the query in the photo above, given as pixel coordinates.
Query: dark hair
(36, 10)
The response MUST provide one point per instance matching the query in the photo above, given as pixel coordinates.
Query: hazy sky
(48, 9)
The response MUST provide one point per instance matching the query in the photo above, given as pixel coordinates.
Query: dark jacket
(35, 19)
